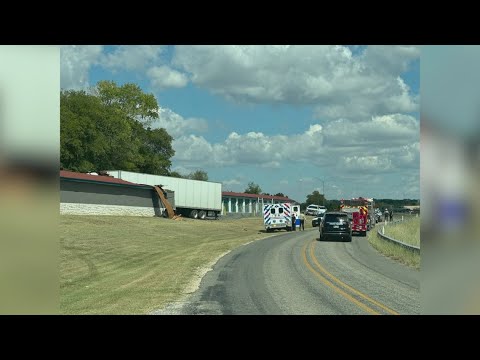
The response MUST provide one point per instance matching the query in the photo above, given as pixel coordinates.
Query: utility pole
(317, 189)
(323, 187)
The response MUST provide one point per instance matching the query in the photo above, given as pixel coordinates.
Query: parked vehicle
(335, 225)
(315, 210)
(193, 198)
(317, 220)
(279, 216)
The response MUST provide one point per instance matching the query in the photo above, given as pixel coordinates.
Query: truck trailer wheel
(202, 215)
(194, 214)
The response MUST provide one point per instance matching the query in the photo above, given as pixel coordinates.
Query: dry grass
(308, 221)
(134, 265)
(408, 232)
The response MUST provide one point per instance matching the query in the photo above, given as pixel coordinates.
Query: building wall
(252, 206)
(81, 198)
(99, 209)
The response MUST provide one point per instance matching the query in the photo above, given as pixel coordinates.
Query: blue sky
(284, 117)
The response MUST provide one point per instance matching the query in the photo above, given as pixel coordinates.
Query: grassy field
(134, 265)
(408, 232)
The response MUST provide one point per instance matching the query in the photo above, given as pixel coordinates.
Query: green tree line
(194, 175)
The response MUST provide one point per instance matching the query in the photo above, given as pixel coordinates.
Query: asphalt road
(293, 273)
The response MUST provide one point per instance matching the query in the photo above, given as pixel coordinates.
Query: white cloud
(165, 77)
(193, 149)
(147, 60)
(132, 57)
(394, 129)
(316, 128)
(231, 182)
(384, 143)
(331, 78)
(178, 126)
(366, 163)
(387, 96)
(272, 165)
(391, 59)
(408, 156)
(388, 130)
(75, 63)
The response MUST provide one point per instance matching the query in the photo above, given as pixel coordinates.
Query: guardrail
(381, 233)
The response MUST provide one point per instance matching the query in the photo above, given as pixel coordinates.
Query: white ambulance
(279, 216)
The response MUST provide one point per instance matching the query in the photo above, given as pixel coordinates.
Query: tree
(177, 175)
(315, 198)
(156, 151)
(107, 130)
(129, 99)
(198, 175)
(332, 205)
(253, 188)
(91, 136)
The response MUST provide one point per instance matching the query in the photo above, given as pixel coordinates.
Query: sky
(290, 118)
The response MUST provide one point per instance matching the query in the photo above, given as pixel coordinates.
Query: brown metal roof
(265, 197)
(112, 180)
(99, 178)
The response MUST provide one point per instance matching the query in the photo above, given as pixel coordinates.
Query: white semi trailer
(193, 198)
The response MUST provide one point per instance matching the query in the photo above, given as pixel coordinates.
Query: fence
(381, 234)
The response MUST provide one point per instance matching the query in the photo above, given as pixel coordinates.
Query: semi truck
(193, 198)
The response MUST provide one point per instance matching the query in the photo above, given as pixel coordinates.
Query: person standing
(391, 215)
(302, 221)
(293, 222)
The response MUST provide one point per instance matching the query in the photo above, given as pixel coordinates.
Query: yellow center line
(340, 282)
(335, 288)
